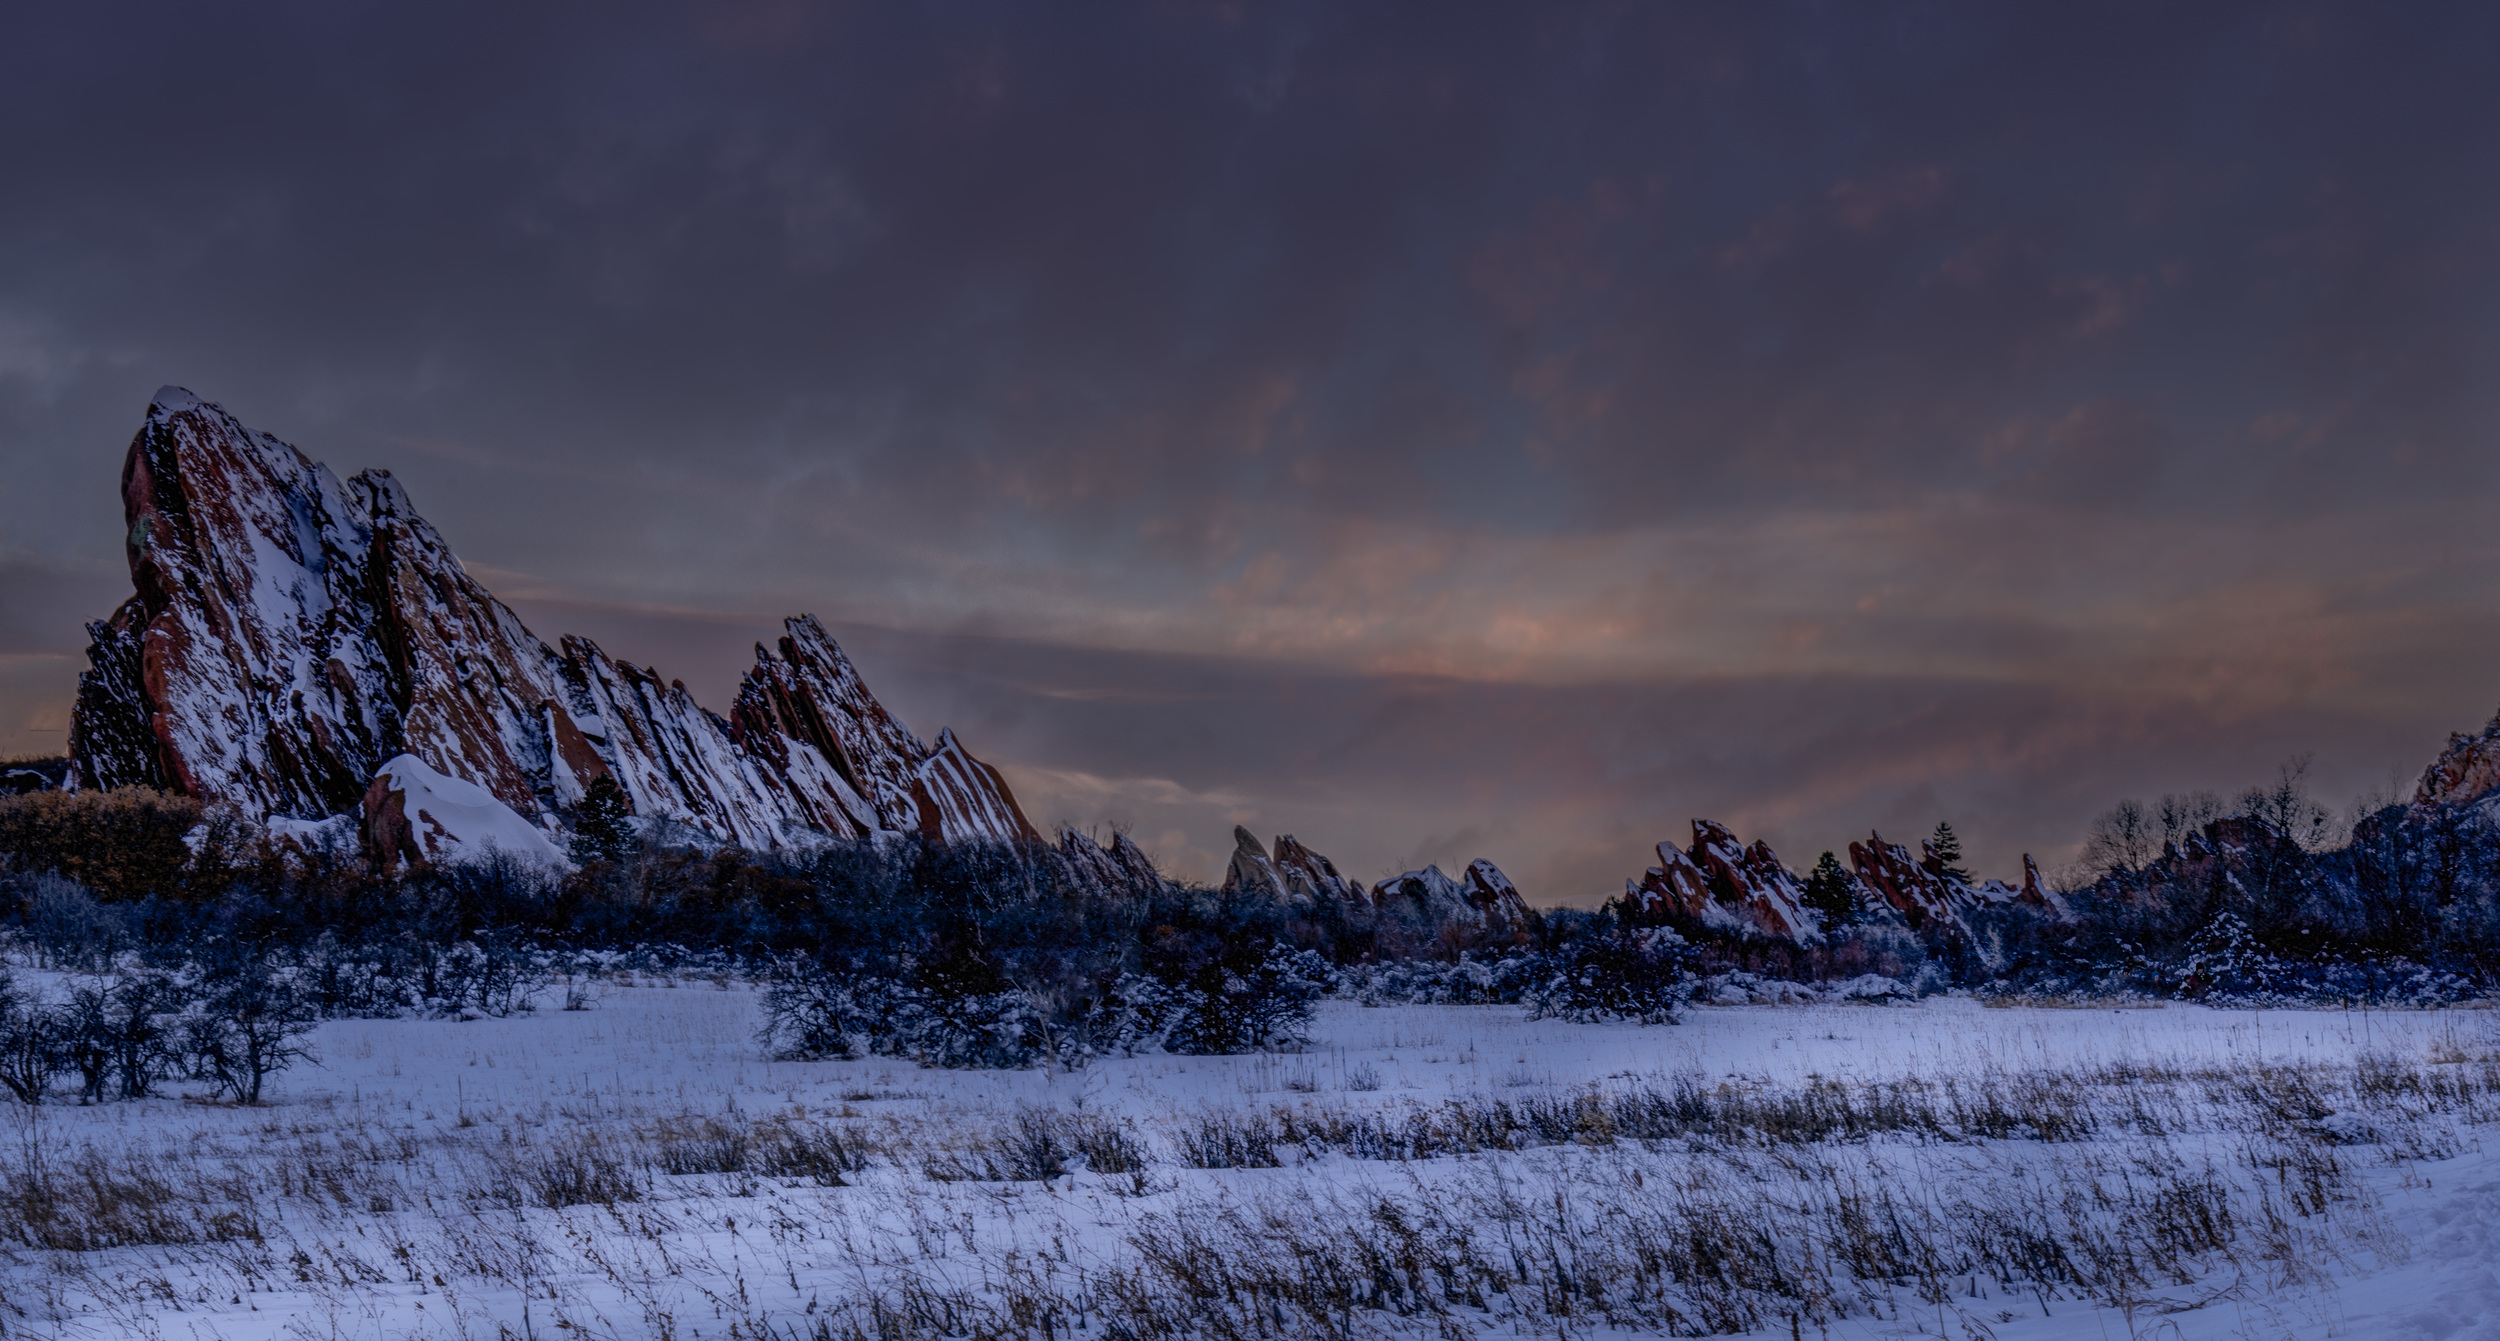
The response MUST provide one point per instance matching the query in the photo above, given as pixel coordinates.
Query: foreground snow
(404, 1187)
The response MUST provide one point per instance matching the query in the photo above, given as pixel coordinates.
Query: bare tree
(2120, 841)
(2285, 808)
(251, 1025)
(2185, 813)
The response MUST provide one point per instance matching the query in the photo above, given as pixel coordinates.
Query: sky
(1432, 430)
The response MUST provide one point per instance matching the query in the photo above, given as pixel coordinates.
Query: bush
(31, 1051)
(250, 1024)
(1614, 973)
(1268, 1006)
(489, 977)
(68, 927)
(141, 1019)
(813, 1012)
(122, 844)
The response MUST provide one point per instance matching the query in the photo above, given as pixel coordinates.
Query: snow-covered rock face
(292, 632)
(2466, 772)
(414, 814)
(1915, 888)
(1294, 873)
(1723, 884)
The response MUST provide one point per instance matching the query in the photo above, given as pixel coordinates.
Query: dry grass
(1669, 1205)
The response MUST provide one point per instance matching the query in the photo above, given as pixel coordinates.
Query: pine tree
(600, 830)
(1945, 852)
(1832, 891)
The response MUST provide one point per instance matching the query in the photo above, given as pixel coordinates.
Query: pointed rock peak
(1311, 877)
(1487, 879)
(1506, 914)
(173, 400)
(1251, 871)
(1918, 893)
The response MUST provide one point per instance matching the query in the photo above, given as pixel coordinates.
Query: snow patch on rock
(415, 813)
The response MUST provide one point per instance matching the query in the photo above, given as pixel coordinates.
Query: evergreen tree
(1833, 892)
(1945, 851)
(600, 830)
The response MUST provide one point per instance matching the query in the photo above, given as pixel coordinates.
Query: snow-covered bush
(813, 1012)
(1642, 975)
(2226, 964)
(1268, 1006)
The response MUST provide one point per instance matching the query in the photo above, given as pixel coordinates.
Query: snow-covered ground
(2259, 1174)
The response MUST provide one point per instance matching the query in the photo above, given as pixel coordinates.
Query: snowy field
(639, 1170)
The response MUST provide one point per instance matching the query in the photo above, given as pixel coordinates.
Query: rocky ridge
(1480, 909)
(1723, 884)
(292, 632)
(2465, 772)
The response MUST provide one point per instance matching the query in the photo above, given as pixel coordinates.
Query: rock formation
(1723, 884)
(1123, 867)
(1292, 873)
(1497, 902)
(416, 815)
(1918, 889)
(293, 632)
(2464, 773)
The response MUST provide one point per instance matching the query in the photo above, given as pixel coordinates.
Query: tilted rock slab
(1726, 885)
(293, 632)
(2466, 772)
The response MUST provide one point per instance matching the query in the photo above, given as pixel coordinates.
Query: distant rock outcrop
(2464, 773)
(1292, 873)
(20, 776)
(293, 632)
(1918, 889)
(1725, 885)
(1123, 867)
(1482, 910)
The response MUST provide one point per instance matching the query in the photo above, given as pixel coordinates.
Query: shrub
(488, 976)
(122, 844)
(68, 927)
(141, 1019)
(249, 1025)
(1266, 1006)
(1612, 973)
(31, 1051)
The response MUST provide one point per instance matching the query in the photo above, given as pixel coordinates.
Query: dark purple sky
(1434, 430)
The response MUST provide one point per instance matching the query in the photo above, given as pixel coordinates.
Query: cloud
(1849, 401)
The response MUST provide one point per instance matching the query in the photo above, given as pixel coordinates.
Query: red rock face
(2036, 894)
(1676, 887)
(1920, 894)
(1507, 918)
(2466, 772)
(293, 631)
(1725, 884)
